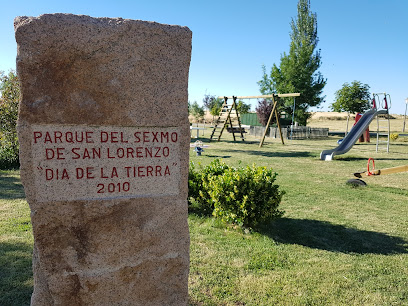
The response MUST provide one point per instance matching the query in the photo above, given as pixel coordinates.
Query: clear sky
(363, 40)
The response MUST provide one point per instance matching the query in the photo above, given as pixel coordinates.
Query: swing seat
(235, 129)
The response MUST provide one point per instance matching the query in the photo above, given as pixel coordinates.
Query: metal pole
(405, 115)
(293, 118)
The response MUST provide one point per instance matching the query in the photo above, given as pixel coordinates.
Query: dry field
(337, 122)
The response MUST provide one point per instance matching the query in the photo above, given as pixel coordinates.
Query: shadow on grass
(332, 237)
(215, 141)
(398, 144)
(193, 140)
(10, 187)
(218, 156)
(274, 154)
(352, 158)
(399, 190)
(236, 141)
(15, 273)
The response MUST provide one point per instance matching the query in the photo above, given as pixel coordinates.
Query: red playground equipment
(365, 137)
(374, 172)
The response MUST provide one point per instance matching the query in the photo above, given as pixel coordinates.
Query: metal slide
(354, 134)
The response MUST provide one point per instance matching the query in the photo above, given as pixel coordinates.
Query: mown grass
(16, 242)
(335, 245)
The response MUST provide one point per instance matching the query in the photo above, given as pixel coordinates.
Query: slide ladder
(383, 122)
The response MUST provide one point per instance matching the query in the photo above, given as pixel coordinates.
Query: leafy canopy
(197, 111)
(352, 98)
(242, 107)
(298, 70)
(213, 104)
(9, 99)
(263, 111)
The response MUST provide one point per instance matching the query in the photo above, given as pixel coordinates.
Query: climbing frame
(228, 116)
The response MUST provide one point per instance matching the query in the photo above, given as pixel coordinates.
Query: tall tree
(9, 98)
(352, 98)
(213, 104)
(298, 69)
(197, 111)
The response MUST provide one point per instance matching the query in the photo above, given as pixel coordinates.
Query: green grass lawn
(16, 242)
(334, 245)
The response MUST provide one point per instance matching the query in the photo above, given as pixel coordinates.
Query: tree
(352, 98)
(197, 111)
(9, 99)
(263, 110)
(243, 107)
(213, 104)
(298, 69)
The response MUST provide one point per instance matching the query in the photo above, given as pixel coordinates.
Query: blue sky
(363, 40)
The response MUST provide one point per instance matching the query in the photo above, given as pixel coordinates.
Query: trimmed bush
(198, 194)
(247, 196)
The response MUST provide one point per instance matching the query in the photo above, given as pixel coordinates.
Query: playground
(335, 244)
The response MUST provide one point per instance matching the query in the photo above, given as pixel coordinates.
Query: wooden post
(273, 112)
(226, 120)
(239, 120)
(234, 106)
(279, 126)
(275, 98)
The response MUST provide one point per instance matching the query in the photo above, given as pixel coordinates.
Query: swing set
(274, 112)
(230, 109)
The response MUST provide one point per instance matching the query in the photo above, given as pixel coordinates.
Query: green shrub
(195, 184)
(244, 196)
(198, 194)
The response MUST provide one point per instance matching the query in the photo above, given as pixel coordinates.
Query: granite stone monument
(104, 141)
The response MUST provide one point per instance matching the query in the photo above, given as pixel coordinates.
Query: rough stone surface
(104, 137)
